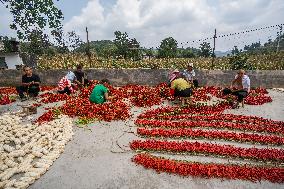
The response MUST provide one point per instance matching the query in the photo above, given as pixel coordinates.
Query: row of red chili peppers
(266, 154)
(212, 135)
(195, 109)
(205, 124)
(219, 117)
(210, 170)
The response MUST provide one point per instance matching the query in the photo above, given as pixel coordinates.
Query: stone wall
(118, 77)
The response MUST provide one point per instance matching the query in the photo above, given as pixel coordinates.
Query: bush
(240, 61)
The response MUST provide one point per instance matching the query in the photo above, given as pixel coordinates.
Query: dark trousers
(32, 91)
(183, 93)
(86, 82)
(240, 94)
(65, 91)
(195, 83)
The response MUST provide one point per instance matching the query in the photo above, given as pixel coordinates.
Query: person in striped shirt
(66, 85)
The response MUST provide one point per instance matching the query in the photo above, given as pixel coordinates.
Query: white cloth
(189, 74)
(245, 82)
(70, 76)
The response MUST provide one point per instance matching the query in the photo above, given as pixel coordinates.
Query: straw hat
(175, 75)
(176, 71)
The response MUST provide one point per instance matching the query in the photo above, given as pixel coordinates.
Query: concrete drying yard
(98, 156)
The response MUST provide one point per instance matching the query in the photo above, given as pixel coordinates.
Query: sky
(151, 21)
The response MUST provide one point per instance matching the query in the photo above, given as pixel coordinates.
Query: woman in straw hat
(172, 75)
(182, 89)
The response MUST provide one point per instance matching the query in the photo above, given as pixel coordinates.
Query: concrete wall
(118, 77)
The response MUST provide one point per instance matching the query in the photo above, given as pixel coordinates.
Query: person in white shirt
(242, 83)
(189, 74)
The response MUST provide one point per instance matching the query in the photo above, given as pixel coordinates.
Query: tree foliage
(38, 44)
(7, 44)
(235, 51)
(268, 47)
(254, 47)
(168, 48)
(188, 52)
(149, 52)
(121, 42)
(30, 15)
(240, 61)
(102, 48)
(68, 41)
(127, 47)
(205, 49)
(134, 49)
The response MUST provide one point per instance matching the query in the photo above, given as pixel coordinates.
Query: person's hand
(110, 97)
(78, 82)
(107, 102)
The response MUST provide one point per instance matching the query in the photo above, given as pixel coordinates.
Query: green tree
(254, 48)
(205, 49)
(7, 43)
(188, 53)
(168, 48)
(134, 51)
(280, 38)
(150, 53)
(127, 47)
(31, 14)
(270, 46)
(102, 48)
(235, 51)
(240, 61)
(73, 40)
(38, 43)
(108, 51)
(121, 42)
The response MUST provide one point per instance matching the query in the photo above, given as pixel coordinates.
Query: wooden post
(88, 48)
(279, 38)
(214, 47)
